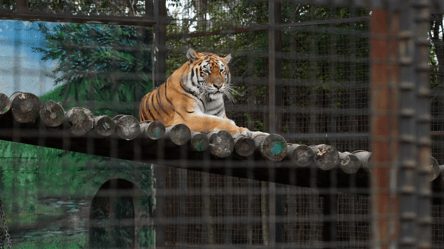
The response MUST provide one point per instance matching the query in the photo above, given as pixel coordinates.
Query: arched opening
(111, 217)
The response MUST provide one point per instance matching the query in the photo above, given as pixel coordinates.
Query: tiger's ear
(192, 55)
(227, 58)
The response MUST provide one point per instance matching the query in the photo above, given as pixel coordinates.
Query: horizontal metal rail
(120, 20)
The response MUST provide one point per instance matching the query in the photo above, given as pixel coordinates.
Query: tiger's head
(208, 76)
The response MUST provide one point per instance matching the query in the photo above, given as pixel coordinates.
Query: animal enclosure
(349, 95)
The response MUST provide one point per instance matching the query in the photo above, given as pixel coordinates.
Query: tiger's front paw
(259, 133)
(244, 132)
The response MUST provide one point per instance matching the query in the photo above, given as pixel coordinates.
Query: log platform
(25, 119)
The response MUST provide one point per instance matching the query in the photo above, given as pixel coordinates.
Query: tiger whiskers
(228, 91)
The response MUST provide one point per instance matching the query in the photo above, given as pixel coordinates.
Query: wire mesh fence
(344, 99)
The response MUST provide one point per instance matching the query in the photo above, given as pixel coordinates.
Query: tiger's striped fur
(193, 95)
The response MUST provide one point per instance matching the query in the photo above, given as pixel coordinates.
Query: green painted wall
(42, 187)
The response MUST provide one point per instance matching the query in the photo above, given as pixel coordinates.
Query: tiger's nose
(218, 86)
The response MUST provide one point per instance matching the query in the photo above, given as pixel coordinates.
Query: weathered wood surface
(349, 163)
(300, 155)
(364, 158)
(127, 138)
(326, 156)
(5, 103)
(127, 127)
(104, 125)
(25, 107)
(79, 120)
(271, 146)
(199, 141)
(153, 130)
(177, 135)
(52, 114)
(244, 146)
(221, 143)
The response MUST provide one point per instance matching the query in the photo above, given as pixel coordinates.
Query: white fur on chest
(211, 108)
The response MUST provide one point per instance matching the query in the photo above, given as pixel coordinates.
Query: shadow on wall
(114, 214)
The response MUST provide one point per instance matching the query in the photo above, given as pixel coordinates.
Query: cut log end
(154, 130)
(244, 146)
(221, 144)
(52, 114)
(5, 103)
(326, 156)
(127, 127)
(25, 107)
(199, 141)
(301, 155)
(179, 134)
(79, 120)
(104, 125)
(349, 163)
(274, 147)
(434, 169)
(364, 159)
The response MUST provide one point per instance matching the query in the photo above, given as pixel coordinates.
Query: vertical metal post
(272, 214)
(182, 204)
(352, 123)
(274, 91)
(22, 7)
(160, 14)
(330, 197)
(149, 9)
(407, 129)
(384, 129)
(423, 118)
(159, 211)
(228, 209)
(274, 66)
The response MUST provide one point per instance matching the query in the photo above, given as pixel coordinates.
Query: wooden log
(326, 156)
(5, 103)
(177, 135)
(364, 158)
(244, 146)
(79, 120)
(104, 125)
(272, 147)
(301, 155)
(349, 163)
(199, 141)
(434, 169)
(25, 107)
(127, 127)
(154, 130)
(52, 114)
(221, 143)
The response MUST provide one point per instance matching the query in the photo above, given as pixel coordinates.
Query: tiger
(194, 95)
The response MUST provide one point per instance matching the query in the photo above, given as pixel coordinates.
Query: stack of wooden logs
(24, 116)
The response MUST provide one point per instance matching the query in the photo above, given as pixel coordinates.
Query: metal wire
(307, 71)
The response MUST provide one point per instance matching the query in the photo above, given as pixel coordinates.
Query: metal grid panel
(232, 197)
(437, 81)
(323, 97)
(353, 221)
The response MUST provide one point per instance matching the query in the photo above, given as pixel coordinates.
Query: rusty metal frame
(384, 127)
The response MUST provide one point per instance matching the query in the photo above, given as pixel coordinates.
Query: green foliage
(105, 68)
(68, 242)
(436, 56)
(319, 54)
(257, 124)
